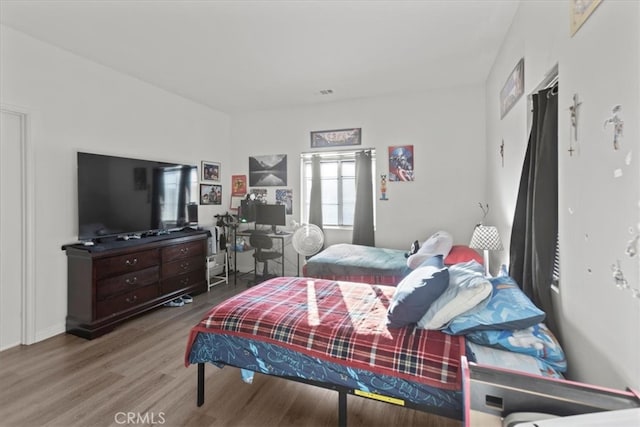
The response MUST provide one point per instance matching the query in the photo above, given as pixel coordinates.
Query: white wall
(598, 214)
(78, 105)
(446, 128)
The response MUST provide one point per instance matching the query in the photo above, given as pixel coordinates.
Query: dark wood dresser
(113, 281)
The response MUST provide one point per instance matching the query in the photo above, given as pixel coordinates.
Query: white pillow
(467, 289)
(439, 243)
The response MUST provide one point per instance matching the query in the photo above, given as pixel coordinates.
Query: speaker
(192, 213)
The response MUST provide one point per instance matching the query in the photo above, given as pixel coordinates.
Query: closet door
(11, 230)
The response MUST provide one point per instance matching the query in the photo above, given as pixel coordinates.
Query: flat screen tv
(120, 196)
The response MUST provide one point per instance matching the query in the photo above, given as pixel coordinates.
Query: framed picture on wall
(284, 196)
(580, 10)
(238, 185)
(513, 89)
(268, 171)
(336, 138)
(210, 171)
(401, 163)
(210, 194)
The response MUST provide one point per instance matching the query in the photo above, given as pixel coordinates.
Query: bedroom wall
(78, 105)
(599, 186)
(446, 128)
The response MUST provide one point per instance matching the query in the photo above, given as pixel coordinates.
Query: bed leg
(200, 384)
(342, 409)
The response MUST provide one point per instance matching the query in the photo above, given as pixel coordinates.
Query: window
(338, 175)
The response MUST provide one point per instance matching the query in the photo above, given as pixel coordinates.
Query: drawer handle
(129, 262)
(132, 300)
(132, 281)
(184, 265)
(184, 250)
(184, 281)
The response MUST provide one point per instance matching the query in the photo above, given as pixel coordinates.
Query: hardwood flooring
(135, 375)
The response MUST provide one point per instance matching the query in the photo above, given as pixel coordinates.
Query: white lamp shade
(486, 237)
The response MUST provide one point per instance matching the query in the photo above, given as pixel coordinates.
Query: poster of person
(210, 171)
(284, 196)
(401, 163)
(238, 185)
(210, 194)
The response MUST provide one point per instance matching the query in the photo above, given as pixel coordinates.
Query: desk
(283, 239)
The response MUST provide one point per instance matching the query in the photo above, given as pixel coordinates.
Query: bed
(335, 334)
(331, 334)
(366, 264)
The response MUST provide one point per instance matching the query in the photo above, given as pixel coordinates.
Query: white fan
(308, 239)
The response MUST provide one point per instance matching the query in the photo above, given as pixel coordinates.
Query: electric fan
(308, 239)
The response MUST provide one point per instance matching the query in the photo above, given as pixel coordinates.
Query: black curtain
(363, 232)
(535, 222)
(315, 198)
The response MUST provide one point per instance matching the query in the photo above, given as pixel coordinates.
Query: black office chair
(262, 245)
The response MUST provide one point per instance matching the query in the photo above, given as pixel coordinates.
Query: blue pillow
(417, 291)
(537, 341)
(508, 308)
(508, 360)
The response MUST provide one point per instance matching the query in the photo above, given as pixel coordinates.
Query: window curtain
(535, 223)
(363, 233)
(315, 196)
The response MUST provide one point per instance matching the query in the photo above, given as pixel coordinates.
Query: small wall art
(336, 138)
(284, 196)
(401, 163)
(238, 185)
(259, 195)
(210, 194)
(579, 12)
(268, 171)
(210, 171)
(513, 89)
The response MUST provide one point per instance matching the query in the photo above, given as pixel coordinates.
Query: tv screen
(118, 195)
(272, 215)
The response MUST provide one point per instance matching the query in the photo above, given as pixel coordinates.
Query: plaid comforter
(341, 322)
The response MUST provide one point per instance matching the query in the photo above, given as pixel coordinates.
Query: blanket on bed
(387, 266)
(342, 322)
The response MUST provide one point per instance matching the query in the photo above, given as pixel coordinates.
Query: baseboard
(50, 332)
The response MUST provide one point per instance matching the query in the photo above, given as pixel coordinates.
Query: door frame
(27, 255)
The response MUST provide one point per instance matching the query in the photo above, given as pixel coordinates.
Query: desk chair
(263, 252)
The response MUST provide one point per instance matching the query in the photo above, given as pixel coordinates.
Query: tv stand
(115, 280)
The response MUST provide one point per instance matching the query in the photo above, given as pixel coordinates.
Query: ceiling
(237, 56)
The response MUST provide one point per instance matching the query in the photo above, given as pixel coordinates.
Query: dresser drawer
(126, 301)
(117, 265)
(183, 281)
(182, 266)
(127, 282)
(184, 250)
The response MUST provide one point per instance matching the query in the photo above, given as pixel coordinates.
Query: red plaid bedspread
(365, 278)
(343, 322)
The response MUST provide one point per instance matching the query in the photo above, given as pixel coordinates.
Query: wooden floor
(135, 375)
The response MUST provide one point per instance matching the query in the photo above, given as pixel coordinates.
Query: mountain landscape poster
(268, 171)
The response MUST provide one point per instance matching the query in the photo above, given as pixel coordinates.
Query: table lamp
(487, 238)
